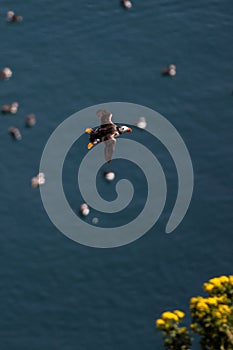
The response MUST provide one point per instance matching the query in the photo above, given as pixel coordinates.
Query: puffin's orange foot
(88, 130)
(90, 145)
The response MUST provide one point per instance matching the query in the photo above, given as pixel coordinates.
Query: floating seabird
(84, 209)
(38, 180)
(170, 70)
(12, 108)
(12, 17)
(126, 4)
(141, 123)
(6, 73)
(15, 133)
(30, 120)
(109, 175)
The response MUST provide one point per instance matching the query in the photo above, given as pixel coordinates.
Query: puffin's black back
(103, 132)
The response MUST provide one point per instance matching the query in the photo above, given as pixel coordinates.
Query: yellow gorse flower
(215, 310)
(217, 314)
(223, 279)
(183, 330)
(193, 326)
(160, 323)
(223, 320)
(212, 301)
(221, 299)
(195, 300)
(179, 313)
(170, 316)
(215, 281)
(224, 309)
(208, 287)
(202, 306)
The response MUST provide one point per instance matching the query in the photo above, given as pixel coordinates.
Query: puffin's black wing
(105, 116)
(109, 147)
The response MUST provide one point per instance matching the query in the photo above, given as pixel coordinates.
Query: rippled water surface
(65, 56)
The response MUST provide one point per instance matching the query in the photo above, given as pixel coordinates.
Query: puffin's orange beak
(129, 130)
(90, 145)
(88, 130)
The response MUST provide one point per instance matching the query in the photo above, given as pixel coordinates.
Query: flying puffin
(107, 133)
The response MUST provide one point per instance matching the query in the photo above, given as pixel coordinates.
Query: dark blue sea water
(65, 56)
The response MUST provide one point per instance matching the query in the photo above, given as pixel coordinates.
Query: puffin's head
(124, 129)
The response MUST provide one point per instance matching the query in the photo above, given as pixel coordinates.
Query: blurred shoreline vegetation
(212, 319)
